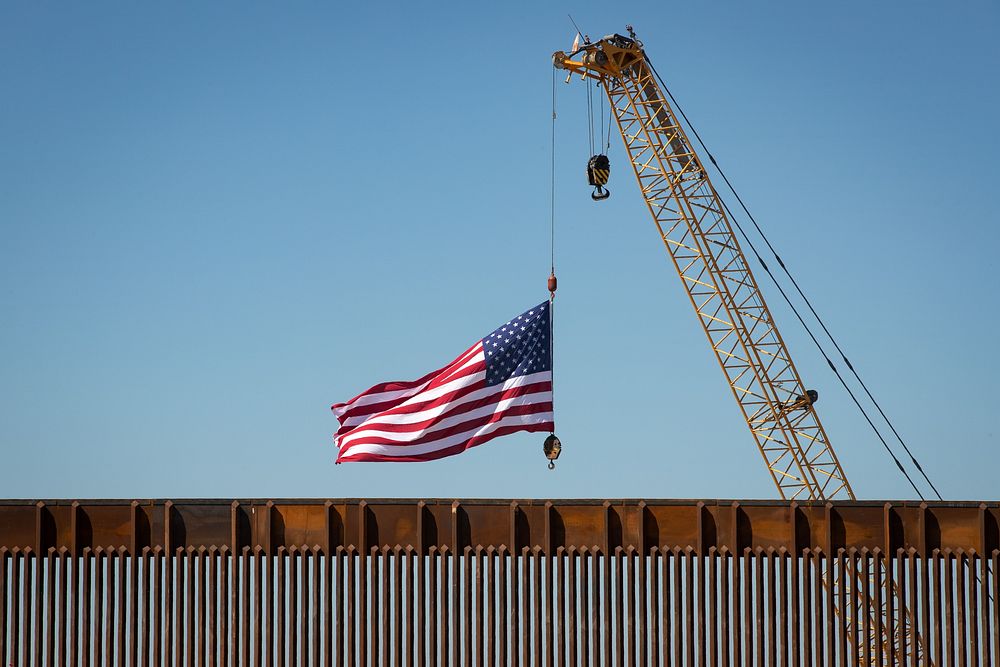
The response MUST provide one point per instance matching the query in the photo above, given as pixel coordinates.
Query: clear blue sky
(216, 219)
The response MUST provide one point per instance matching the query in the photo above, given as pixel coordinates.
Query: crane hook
(598, 173)
(552, 448)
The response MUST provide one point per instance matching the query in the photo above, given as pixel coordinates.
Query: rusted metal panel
(270, 524)
(489, 582)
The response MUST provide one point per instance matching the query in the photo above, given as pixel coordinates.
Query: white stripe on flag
(422, 397)
(469, 357)
(447, 422)
(454, 408)
(415, 450)
(478, 394)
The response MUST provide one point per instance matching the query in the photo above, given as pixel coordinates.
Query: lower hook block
(552, 448)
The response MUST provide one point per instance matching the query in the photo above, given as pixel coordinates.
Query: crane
(692, 221)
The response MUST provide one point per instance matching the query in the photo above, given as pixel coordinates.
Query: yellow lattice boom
(693, 224)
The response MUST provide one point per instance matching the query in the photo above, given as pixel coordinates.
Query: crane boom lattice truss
(692, 222)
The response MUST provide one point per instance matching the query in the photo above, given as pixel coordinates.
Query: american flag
(500, 385)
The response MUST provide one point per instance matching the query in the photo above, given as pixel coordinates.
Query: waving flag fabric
(500, 385)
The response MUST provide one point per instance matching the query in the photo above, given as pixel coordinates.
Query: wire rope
(552, 251)
(602, 116)
(808, 303)
(590, 117)
(611, 117)
(552, 182)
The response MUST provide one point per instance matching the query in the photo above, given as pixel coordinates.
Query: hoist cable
(602, 118)
(552, 250)
(611, 117)
(552, 184)
(590, 117)
(806, 300)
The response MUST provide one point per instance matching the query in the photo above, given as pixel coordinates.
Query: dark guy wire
(821, 350)
(806, 300)
(574, 23)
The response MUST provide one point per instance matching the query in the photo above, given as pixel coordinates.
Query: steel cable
(807, 302)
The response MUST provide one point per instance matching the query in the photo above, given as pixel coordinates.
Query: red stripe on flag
(458, 397)
(449, 373)
(453, 408)
(459, 408)
(470, 425)
(411, 385)
(364, 412)
(456, 449)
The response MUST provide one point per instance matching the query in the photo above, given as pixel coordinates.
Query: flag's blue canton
(519, 347)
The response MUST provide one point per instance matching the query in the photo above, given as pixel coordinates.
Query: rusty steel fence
(489, 582)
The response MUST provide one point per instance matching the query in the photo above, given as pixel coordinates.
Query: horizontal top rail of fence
(544, 525)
